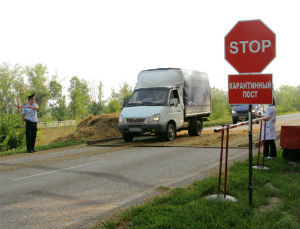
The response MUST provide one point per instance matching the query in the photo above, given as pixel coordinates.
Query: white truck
(165, 101)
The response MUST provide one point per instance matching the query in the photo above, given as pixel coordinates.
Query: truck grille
(135, 120)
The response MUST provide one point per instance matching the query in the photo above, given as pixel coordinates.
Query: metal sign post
(250, 51)
(250, 155)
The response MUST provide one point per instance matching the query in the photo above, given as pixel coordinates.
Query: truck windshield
(149, 97)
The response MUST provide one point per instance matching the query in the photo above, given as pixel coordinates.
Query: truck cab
(149, 110)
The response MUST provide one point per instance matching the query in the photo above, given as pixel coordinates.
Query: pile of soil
(95, 128)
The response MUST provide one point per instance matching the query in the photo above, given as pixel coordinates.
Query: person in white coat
(270, 136)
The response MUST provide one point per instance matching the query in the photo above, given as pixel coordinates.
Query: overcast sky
(113, 40)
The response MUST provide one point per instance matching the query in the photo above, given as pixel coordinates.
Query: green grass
(286, 112)
(42, 147)
(187, 207)
(226, 119)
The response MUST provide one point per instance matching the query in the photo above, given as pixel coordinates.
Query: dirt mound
(94, 128)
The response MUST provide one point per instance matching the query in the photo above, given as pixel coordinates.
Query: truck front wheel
(171, 132)
(127, 137)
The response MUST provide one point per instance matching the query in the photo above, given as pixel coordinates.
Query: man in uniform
(29, 117)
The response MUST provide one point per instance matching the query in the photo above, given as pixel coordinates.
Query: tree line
(17, 82)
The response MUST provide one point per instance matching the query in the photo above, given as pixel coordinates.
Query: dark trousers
(31, 129)
(270, 144)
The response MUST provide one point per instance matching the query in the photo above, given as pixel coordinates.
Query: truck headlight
(154, 118)
(233, 112)
(122, 119)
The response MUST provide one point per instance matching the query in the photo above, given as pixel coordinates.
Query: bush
(12, 135)
(219, 102)
(220, 108)
(114, 106)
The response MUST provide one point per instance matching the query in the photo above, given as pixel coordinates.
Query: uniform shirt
(30, 114)
(270, 124)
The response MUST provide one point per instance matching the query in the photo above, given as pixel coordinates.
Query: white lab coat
(270, 124)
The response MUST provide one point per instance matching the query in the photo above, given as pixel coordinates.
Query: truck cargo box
(196, 93)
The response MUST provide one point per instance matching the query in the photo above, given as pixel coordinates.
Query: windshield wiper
(134, 104)
(151, 104)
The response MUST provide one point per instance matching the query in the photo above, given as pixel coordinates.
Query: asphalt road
(73, 187)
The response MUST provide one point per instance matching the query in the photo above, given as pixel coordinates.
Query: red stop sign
(250, 46)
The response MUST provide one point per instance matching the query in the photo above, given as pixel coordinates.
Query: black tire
(191, 131)
(234, 121)
(170, 132)
(195, 127)
(199, 127)
(127, 137)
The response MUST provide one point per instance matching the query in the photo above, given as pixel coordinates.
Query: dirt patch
(269, 185)
(94, 128)
(273, 202)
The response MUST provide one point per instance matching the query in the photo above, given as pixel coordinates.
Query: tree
(60, 111)
(20, 87)
(38, 84)
(114, 106)
(57, 100)
(11, 85)
(80, 99)
(219, 101)
(12, 135)
(123, 94)
(118, 98)
(55, 89)
(97, 107)
(100, 92)
(287, 99)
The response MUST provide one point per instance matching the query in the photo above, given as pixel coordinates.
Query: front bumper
(142, 128)
(242, 116)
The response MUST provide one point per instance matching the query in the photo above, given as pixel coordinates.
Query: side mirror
(174, 102)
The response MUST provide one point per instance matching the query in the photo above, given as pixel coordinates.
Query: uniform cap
(31, 96)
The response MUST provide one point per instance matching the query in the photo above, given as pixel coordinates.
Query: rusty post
(259, 143)
(221, 159)
(265, 124)
(226, 160)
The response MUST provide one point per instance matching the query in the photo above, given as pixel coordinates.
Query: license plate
(135, 129)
